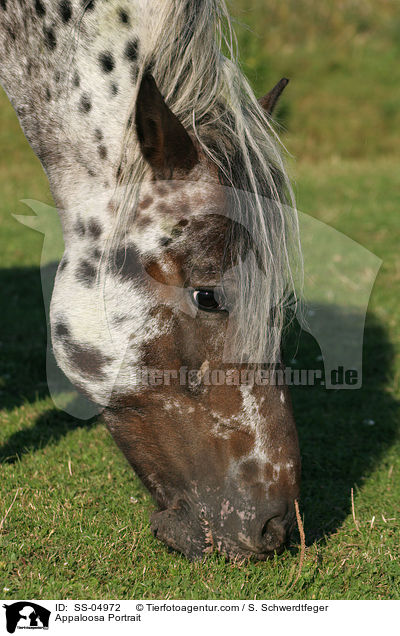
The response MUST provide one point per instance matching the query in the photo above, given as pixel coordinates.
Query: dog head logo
(26, 615)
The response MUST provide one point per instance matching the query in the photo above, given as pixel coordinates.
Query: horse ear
(163, 140)
(269, 101)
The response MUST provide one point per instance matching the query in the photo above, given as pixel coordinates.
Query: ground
(74, 520)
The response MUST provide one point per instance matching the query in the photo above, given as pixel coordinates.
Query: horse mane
(181, 42)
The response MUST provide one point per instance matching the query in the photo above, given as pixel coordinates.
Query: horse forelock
(215, 104)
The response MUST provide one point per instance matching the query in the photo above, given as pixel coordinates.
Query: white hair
(181, 43)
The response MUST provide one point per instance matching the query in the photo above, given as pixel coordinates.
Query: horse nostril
(275, 530)
(274, 534)
(264, 529)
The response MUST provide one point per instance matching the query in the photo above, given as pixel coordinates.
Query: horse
(181, 242)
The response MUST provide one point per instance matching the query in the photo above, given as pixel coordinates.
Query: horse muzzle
(237, 535)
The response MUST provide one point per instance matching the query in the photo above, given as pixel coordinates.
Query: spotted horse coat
(136, 117)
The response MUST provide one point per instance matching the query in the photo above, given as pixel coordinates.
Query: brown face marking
(161, 353)
(250, 472)
(79, 227)
(86, 273)
(268, 472)
(145, 203)
(165, 241)
(161, 190)
(224, 400)
(169, 271)
(143, 222)
(162, 312)
(94, 228)
(126, 262)
(61, 330)
(63, 264)
(89, 360)
(285, 485)
(163, 208)
(240, 444)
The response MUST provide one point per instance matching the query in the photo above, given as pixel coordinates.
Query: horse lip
(265, 555)
(179, 531)
(243, 551)
(247, 555)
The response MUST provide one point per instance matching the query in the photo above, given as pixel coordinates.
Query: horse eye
(207, 300)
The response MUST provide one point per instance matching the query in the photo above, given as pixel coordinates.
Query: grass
(78, 523)
(343, 62)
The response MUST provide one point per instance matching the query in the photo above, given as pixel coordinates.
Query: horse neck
(71, 70)
(70, 75)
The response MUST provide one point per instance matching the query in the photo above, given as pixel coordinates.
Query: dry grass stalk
(302, 543)
(9, 508)
(354, 511)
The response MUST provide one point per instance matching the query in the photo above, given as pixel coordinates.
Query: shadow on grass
(343, 433)
(49, 427)
(339, 445)
(23, 343)
(23, 337)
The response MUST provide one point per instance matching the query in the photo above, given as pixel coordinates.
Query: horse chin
(180, 531)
